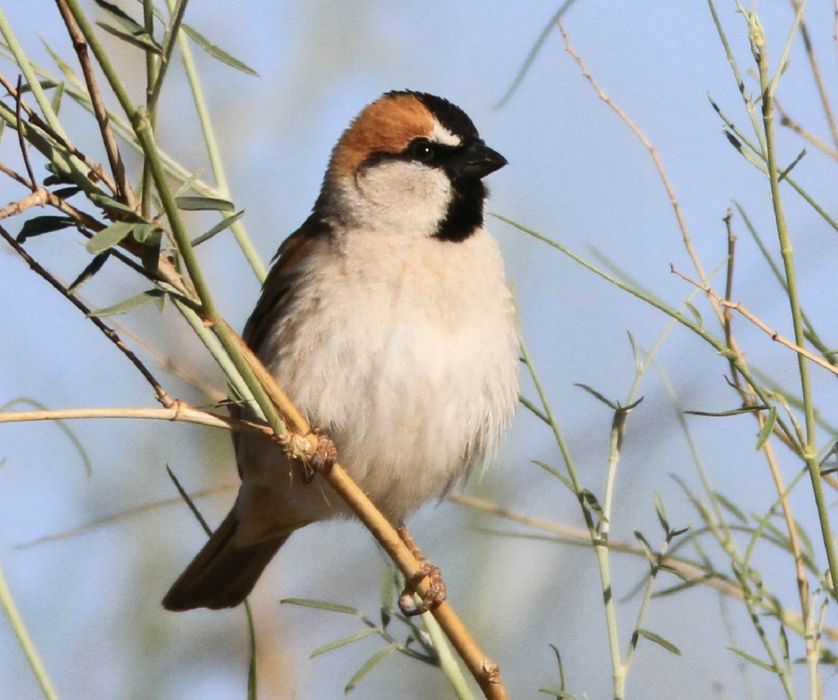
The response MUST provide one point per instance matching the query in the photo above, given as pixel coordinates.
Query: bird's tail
(222, 574)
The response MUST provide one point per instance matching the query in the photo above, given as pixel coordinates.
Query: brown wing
(281, 278)
(275, 291)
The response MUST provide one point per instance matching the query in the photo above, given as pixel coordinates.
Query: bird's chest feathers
(397, 326)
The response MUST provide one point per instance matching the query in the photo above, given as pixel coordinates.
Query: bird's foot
(324, 457)
(436, 592)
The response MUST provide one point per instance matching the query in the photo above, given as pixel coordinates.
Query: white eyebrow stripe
(441, 135)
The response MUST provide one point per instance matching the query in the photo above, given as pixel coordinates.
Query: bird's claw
(433, 597)
(324, 457)
(436, 592)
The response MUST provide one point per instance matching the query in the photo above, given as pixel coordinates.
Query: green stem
(23, 638)
(214, 153)
(717, 343)
(809, 451)
(447, 663)
(208, 312)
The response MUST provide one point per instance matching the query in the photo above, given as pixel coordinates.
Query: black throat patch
(465, 211)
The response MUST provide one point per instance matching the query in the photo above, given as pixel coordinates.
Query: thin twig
(817, 142)
(177, 411)
(816, 74)
(731, 259)
(37, 198)
(60, 140)
(124, 192)
(21, 141)
(653, 152)
(774, 335)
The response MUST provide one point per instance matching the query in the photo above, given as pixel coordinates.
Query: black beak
(477, 162)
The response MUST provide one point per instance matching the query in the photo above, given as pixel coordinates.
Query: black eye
(421, 149)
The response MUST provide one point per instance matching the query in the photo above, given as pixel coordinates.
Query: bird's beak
(478, 161)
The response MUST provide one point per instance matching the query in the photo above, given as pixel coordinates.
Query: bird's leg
(435, 594)
(324, 457)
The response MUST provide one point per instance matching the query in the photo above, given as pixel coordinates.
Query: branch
(178, 411)
(124, 192)
(774, 335)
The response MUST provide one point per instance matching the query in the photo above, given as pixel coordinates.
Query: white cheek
(408, 198)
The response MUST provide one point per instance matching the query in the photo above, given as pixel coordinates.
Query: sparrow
(387, 319)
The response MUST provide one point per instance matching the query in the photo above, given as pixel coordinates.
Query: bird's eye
(421, 149)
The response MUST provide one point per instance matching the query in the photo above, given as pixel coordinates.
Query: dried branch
(177, 411)
(35, 120)
(20, 140)
(653, 152)
(124, 192)
(817, 142)
(774, 335)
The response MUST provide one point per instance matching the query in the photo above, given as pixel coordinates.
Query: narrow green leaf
(120, 16)
(43, 224)
(141, 40)
(598, 396)
(338, 643)
(552, 471)
(130, 303)
(147, 234)
(661, 511)
(792, 165)
(369, 665)
(113, 206)
(675, 572)
(689, 583)
(731, 412)
(696, 315)
(754, 660)
(132, 31)
(67, 192)
(784, 648)
(560, 694)
(730, 507)
(55, 101)
(648, 552)
(320, 605)
(657, 639)
(215, 51)
(589, 500)
(198, 203)
(65, 67)
(109, 236)
(388, 593)
(88, 272)
(767, 427)
(218, 228)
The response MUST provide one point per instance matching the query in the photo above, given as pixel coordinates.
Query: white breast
(406, 352)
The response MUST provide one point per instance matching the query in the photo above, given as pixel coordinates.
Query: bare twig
(774, 335)
(653, 152)
(124, 192)
(819, 143)
(36, 121)
(581, 537)
(177, 411)
(21, 141)
(37, 198)
(731, 259)
(816, 74)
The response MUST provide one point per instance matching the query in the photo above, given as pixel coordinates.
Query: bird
(388, 320)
